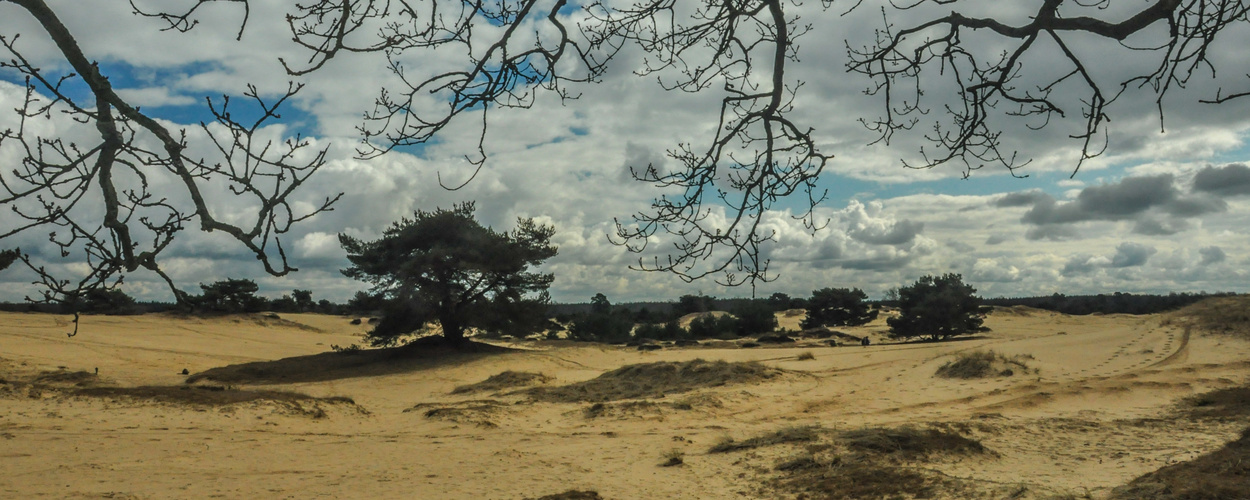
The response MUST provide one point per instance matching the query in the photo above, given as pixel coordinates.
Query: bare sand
(1098, 411)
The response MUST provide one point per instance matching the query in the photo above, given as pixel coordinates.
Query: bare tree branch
(99, 198)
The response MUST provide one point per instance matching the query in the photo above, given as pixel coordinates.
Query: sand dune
(1098, 411)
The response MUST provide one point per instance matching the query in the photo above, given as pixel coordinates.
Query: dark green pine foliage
(838, 307)
(444, 266)
(937, 308)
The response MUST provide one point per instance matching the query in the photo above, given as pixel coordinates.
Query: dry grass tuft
(78, 378)
(1221, 474)
(204, 395)
(655, 380)
(504, 380)
(911, 441)
(984, 364)
(572, 495)
(857, 480)
(805, 356)
(673, 458)
(477, 412)
(798, 434)
(1224, 315)
(1220, 403)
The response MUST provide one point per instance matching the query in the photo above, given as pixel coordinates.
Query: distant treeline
(244, 300)
(1116, 303)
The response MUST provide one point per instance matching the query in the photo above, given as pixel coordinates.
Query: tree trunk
(453, 332)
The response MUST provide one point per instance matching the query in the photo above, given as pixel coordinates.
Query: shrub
(666, 331)
(754, 318)
(984, 364)
(711, 326)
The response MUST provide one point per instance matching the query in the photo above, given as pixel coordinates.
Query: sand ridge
(1096, 414)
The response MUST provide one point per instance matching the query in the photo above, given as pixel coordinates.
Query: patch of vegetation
(1221, 474)
(1223, 315)
(466, 412)
(1220, 403)
(985, 364)
(655, 380)
(844, 480)
(805, 356)
(572, 495)
(504, 380)
(78, 378)
(910, 441)
(865, 463)
(807, 433)
(673, 458)
(421, 354)
(205, 395)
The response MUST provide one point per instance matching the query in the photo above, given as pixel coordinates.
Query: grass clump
(806, 433)
(984, 364)
(572, 495)
(673, 458)
(205, 395)
(478, 412)
(857, 480)
(78, 378)
(910, 441)
(1223, 315)
(1220, 403)
(805, 356)
(1221, 474)
(655, 380)
(504, 380)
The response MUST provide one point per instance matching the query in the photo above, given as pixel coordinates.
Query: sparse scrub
(1224, 315)
(805, 356)
(1221, 474)
(797, 434)
(673, 458)
(985, 364)
(503, 380)
(653, 380)
(571, 495)
(217, 396)
(1231, 402)
(467, 412)
(910, 441)
(857, 480)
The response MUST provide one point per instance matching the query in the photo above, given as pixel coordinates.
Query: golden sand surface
(1098, 411)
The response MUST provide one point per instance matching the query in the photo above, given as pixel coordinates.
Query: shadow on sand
(424, 354)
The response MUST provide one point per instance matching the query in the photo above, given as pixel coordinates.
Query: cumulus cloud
(1127, 255)
(1154, 202)
(1230, 180)
(863, 224)
(1212, 255)
(1131, 255)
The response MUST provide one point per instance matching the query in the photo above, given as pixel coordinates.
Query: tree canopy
(937, 308)
(838, 307)
(444, 266)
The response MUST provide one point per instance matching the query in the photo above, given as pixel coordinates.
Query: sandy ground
(1097, 413)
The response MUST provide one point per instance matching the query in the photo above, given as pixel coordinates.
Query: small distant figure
(186, 371)
(864, 341)
(97, 370)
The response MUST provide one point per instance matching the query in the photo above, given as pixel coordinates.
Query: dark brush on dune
(655, 380)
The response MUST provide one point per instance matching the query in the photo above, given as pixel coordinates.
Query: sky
(1160, 211)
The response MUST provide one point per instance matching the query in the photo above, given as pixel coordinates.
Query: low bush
(984, 364)
(653, 380)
